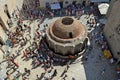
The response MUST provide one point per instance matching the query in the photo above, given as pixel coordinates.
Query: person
(4, 56)
(25, 77)
(54, 73)
(37, 63)
(16, 64)
(37, 77)
(42, 76)
(52, 66)
(45, 67)
(103, 71)
(17, 52)
(46, 25)
(100, 57)
(71, 57)
(25, 55)
(86, 58)
(19, 72)
(27, 71)
(15, 77)
(68, 66)
(8, 76)
(64, 78)
(38, 25)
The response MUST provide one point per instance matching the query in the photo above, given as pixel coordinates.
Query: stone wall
(112, 31)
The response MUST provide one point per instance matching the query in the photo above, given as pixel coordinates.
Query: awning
(103, 8)
(55, 6)
(99, 0)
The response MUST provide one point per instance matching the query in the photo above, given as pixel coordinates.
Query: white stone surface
(90, 70)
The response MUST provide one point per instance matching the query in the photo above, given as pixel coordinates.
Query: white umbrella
(103, 8)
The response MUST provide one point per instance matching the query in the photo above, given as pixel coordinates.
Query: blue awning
(99, 0)
(55, 6)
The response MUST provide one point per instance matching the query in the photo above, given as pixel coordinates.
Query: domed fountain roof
(67, 28)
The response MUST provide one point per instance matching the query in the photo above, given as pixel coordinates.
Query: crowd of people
(37, 51)
(31, 10)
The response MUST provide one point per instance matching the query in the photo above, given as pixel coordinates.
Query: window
(70, 35)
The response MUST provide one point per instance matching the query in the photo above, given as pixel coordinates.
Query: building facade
(63, 3)
(112, 28)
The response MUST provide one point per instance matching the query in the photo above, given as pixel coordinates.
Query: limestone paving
(80, 70)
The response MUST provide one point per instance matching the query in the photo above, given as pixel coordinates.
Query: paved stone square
(80, 70)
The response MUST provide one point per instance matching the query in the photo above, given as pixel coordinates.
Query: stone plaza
(89, 66)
